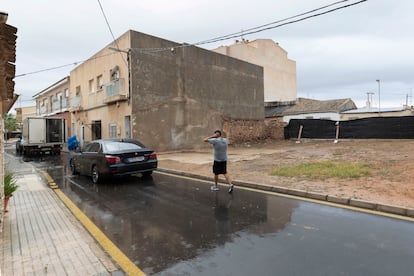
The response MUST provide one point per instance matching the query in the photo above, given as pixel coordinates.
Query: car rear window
(120, 146)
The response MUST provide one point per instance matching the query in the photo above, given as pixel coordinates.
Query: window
(78, 90)
(115, 73)
(121, 146)
(92, 147)
(112, 130)
(91, 86)
(99, 82)
(95, 147)
(66, 92)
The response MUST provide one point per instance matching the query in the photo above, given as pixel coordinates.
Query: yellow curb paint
(124, 262)
(343, 206)
(119, 257)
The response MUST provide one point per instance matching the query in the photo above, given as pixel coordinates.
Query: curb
(107, 246)
(363, 204)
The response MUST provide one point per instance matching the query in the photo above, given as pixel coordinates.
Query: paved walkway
(42, 237)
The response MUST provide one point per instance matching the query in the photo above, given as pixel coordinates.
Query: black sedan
(113, 157)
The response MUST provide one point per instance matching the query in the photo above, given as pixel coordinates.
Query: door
(36, 130)
(96, 130)
(82, 136)
(127, 126)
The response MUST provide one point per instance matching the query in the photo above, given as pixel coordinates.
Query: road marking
(332, 204)
(117, 255)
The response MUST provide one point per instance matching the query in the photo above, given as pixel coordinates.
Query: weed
(324, 169)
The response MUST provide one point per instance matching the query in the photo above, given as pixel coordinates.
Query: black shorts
(220, 167)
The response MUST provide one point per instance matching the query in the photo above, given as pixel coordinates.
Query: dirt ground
(391, 165)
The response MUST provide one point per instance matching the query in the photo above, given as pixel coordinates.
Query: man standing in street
(220, 158)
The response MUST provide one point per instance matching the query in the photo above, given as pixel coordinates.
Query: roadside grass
(324, 169)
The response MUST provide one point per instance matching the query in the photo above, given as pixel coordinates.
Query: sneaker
(214, 188)
(231, 188)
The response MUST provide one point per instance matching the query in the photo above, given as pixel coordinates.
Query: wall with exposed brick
(241, 131)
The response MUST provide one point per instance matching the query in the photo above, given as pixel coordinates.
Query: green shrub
(10, 185)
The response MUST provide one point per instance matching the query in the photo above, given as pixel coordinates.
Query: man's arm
(215, 135)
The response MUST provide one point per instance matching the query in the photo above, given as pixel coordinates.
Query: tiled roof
(303, 105)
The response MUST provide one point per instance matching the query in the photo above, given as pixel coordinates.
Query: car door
(88, 157)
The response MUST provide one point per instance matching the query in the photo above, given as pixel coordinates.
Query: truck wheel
(95, 175)
(73, 168)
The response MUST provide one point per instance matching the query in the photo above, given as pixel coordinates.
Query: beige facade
(99, 94)
(279, 71)
(53, 101)
(168, 99)
(24, 112)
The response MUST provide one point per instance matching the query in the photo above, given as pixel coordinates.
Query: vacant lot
(390, 164)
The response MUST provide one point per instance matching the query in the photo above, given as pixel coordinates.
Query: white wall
(325, 116)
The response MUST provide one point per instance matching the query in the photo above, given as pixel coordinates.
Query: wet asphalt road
(169, 225)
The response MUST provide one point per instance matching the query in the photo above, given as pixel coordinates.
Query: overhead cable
(110, 30)
(255, 29)
(249, 31)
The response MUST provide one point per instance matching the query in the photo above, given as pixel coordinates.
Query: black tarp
(367, 128)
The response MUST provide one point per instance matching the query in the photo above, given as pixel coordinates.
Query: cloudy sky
(338, 55)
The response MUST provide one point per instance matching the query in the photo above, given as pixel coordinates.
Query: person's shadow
(222, 214)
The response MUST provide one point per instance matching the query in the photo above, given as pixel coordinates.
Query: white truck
(42, 135)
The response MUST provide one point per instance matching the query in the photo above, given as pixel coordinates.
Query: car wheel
(147, 174)
(73, 168)
(95, 175)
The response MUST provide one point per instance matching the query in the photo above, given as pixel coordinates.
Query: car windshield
(120, 146)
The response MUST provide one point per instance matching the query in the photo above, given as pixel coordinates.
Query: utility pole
(379, 97)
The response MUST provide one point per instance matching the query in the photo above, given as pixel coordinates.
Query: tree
(10, 122)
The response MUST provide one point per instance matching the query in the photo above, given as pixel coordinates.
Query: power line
(253, 30)
(283, 24)
(62, 66)
(275, 22)
(110, 30)
(259, 28)
(48, 69)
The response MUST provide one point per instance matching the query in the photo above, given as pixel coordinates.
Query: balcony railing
(43, 110)
(60, 105)
(75, 103)
(115, 91)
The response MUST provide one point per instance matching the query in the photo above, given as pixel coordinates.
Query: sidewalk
(41, 236)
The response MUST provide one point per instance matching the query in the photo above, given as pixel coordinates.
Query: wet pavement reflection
(176, 226)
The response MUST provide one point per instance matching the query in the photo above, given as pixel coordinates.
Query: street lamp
(379, 96)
